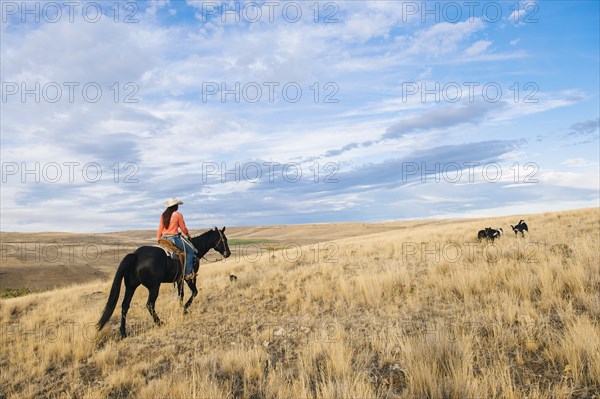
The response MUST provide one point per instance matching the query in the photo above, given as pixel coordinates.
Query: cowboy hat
(172, 201)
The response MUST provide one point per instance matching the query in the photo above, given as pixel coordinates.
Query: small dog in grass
(521, 227)
(489, 233)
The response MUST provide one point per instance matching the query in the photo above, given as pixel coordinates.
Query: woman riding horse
(171, 222)
(149, 266)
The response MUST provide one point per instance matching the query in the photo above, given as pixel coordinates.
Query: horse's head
(221, 245)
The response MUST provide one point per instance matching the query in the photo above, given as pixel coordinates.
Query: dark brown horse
(150, 266)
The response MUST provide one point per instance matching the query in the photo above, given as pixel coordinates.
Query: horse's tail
(128, 261)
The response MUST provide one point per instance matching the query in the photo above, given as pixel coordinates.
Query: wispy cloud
(586, 128)
(359, 58)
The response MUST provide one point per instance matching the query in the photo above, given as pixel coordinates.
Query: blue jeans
(189, 252)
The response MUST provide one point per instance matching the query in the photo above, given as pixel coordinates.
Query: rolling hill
(392, 310)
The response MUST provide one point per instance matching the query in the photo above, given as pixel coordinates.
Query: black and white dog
(521, 227)
(489, 233)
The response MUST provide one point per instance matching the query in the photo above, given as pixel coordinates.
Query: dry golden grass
(50, 260)
(420, 311)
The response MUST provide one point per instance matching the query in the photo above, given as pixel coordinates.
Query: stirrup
(190, 276)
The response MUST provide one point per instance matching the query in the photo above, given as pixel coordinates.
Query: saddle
(174, 253)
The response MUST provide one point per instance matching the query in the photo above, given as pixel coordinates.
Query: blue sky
(370, 111)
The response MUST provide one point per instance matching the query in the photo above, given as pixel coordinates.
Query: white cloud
(578, 162)
(80, 52)
(171, 131)
(478, 47)
(443, 38)
(587, 181)
(521, 10)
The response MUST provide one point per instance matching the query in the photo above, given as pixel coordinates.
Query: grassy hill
(411, 309)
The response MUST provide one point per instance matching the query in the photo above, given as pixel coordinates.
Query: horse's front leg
(192, 285)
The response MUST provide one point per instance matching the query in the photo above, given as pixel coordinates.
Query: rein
(184, 238)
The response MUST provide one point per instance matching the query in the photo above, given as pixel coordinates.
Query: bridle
(221, 240)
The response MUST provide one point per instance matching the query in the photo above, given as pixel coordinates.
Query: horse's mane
(204, 234)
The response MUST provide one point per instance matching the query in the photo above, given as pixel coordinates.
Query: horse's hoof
(123, 335)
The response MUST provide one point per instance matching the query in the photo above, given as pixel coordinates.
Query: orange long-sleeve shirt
(175, 223)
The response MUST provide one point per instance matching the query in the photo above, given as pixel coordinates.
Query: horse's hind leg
(152, 295)
(192, 285)
(180, 292)
(125, 307)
